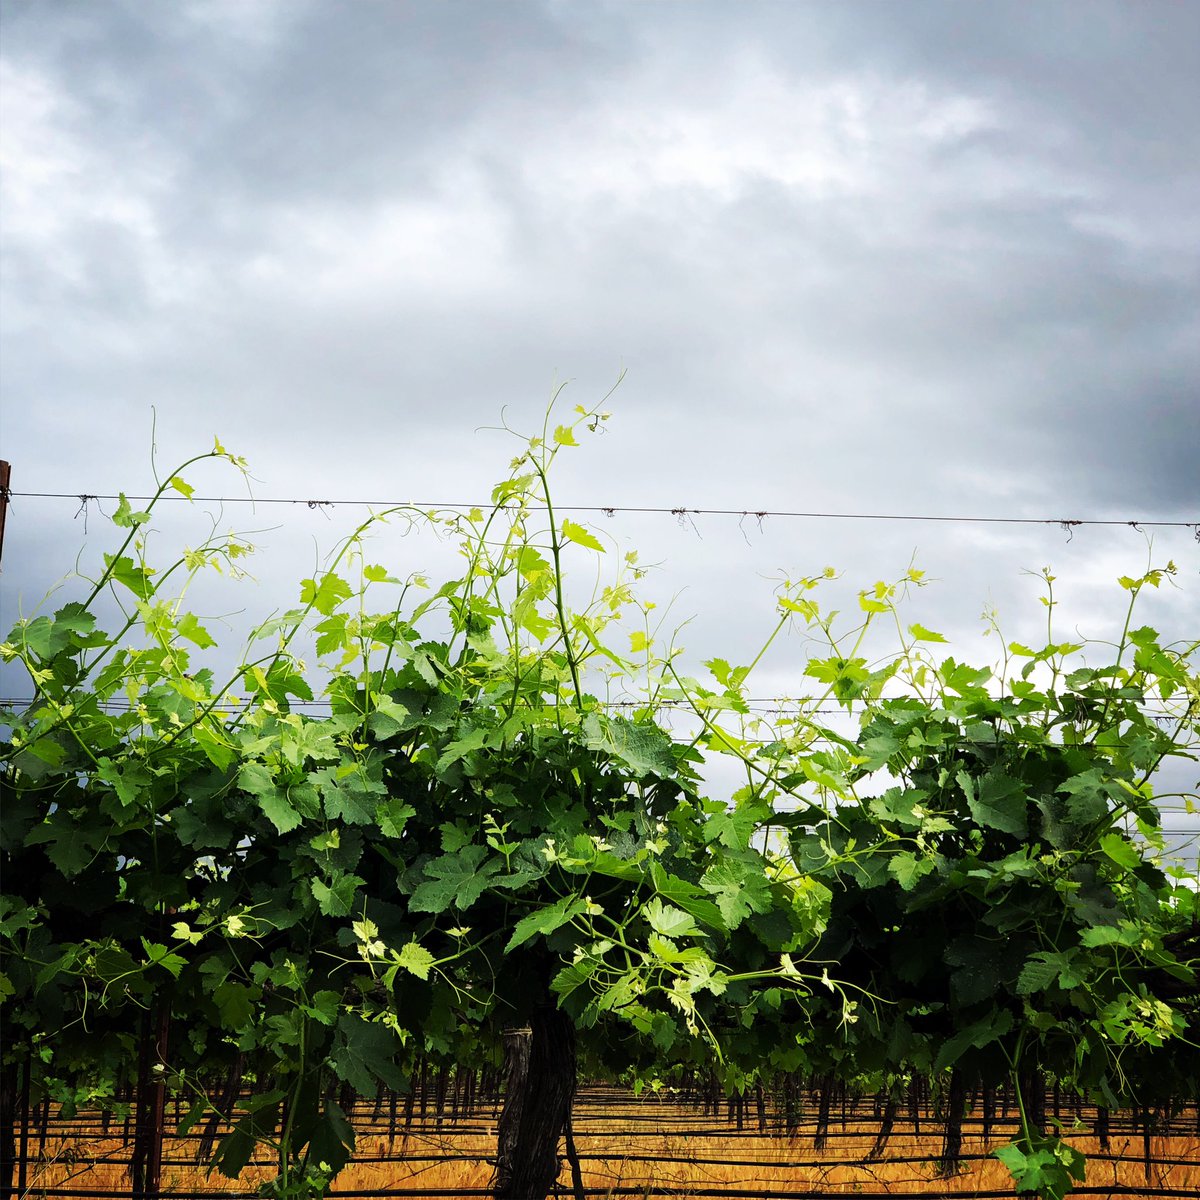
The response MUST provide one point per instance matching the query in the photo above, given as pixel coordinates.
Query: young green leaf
(415, 959)
(669, 921)
(580, 536)
(1120, 851)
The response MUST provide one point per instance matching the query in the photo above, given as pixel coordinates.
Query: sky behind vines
(862, 257)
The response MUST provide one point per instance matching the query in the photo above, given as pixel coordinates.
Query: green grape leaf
(125, 571)
(326, 595)
(1120, 851)
(392, 815)
(906, 868)
(580, 536)
(546, 920)
(331, 1143)
(979, 1034)
(455, 880)
(999, 803)
(739, 888)
(323, 1006)
(364, 1055)
(279, 811)
(415, 959)
(161, 956)
(669, 921)
(335, 898)
(124, 516)
(921, 634)
(644, 748)
(190, 628)
(235, 1005)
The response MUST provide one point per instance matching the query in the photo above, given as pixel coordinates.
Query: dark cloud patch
(1124, 76)
(317, 102)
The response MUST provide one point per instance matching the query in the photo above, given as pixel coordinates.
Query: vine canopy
(504, 811)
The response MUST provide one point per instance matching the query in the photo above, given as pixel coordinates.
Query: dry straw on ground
(626, 1146)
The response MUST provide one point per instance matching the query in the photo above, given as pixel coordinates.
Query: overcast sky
(932, 258)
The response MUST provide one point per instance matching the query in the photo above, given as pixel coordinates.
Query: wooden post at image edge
(5, 471)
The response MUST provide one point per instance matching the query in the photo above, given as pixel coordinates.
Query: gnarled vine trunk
(539, 1090)
(516, 1074)
(145, 1167)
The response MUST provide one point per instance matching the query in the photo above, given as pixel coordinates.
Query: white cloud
(63, 188)
(443, 247)
(842, 135)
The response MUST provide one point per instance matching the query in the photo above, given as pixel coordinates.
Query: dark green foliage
(469, 839)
